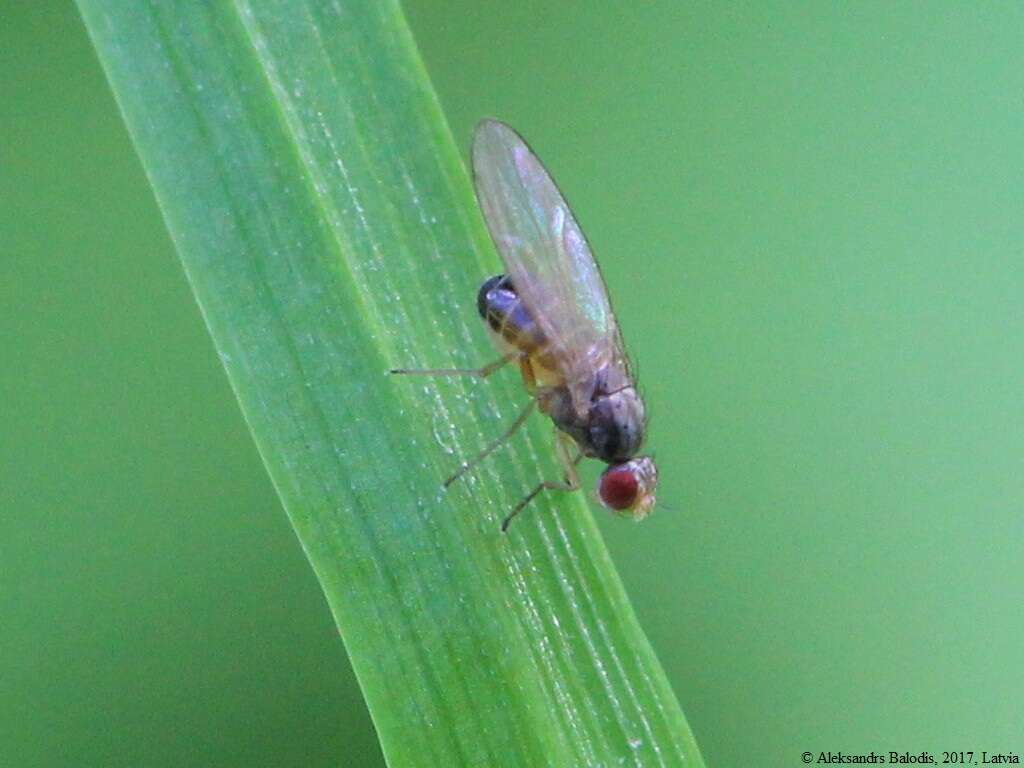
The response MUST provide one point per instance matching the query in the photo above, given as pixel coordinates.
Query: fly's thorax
(616, 425)
(613, 427)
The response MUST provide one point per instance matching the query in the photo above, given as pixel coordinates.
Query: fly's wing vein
(547, 256)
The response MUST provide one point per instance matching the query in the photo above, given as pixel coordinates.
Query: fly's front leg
(480, 373)
(564, 446)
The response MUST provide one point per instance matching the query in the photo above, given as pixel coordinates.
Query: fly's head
(628, 488)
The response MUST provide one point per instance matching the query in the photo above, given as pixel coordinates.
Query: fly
(550, 315)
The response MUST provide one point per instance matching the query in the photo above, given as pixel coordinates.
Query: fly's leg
(571, 482)
(494, 444)
(480, 373)
(529, 377)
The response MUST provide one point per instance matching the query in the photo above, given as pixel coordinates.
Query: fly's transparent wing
(547, 256)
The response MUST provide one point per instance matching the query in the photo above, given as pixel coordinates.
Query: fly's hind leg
(480, 373)
(564, 445)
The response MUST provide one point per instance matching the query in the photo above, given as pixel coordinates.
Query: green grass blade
(328, 229)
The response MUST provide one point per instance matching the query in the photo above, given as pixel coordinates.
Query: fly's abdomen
(507, 317)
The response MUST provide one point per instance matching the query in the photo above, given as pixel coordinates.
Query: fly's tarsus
(494, 444)
(480, 373)
(571, 483)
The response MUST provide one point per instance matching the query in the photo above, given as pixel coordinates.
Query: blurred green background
(810, 216)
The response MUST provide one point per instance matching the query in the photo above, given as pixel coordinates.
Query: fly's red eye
(619, 488)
